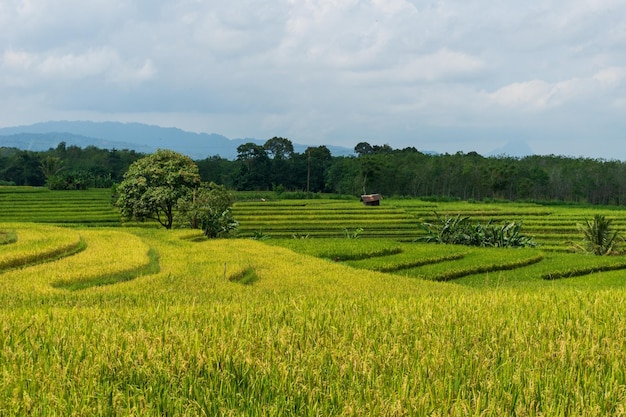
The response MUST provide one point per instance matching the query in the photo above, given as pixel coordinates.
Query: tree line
(65, 167)
(274, 166)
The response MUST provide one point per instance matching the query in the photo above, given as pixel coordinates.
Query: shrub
(72, 180)
(459, 231)
(209, 209)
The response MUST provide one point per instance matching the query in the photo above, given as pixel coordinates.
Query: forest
(406, 172)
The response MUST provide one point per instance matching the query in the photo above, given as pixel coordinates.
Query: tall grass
(309, 337)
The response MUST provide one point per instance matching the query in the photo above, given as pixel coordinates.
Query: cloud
(17, 60)
(321, 70)
(104, 63)
(441, 66)
(610, 77)
(538, 95)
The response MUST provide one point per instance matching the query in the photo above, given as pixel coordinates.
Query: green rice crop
(341, 249)
(40, 205)
(412, 256)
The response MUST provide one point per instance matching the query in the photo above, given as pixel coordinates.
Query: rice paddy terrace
(393, 224)
(101, 317)
(553, 227)
(74, 208)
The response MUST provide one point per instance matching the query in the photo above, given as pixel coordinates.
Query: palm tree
(598, 236)
(51, 166)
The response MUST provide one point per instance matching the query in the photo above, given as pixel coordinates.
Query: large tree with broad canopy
(153, 186)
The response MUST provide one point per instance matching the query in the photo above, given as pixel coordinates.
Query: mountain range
(148, 138)
(135, 136)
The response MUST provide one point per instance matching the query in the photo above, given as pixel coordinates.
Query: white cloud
(393, 6)
(76, 66)
(610, 77)
(17, 60)
(533, 94)
(440, 65)
(320, 69)
(537, 95)
(104, 63)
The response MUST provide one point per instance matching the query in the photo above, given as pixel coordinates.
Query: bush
(209, 209)
(73, 180)
(459, 231)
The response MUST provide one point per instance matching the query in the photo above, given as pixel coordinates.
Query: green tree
(209, 209)
(279, 148)
(363, 148)
(253, 172)
(217, 169)
(24, 168)
(343, 176)
(153, 186)
(371, 166)
(318, 161)
(70, 180)
(280, 151)
(51, 165)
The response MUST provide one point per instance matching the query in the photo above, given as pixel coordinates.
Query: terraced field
(323, 218)
(553, 227)
(84, 208)
(79, 259)
(143, 321)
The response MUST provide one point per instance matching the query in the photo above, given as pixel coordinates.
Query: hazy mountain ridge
(514, 148)
(148, 138)
(45, 141)
(136, 136)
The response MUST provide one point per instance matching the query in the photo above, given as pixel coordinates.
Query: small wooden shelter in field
(371, 199)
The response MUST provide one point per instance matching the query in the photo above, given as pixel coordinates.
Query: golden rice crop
(107, 252)
(36, 243)
(309, 337)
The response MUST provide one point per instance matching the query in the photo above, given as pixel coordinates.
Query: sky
(446, 76)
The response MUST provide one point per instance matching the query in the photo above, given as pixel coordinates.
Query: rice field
(36, 204)
(143, 321)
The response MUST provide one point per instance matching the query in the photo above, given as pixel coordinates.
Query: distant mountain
(45, 141)
(518, 149)
(136, 136)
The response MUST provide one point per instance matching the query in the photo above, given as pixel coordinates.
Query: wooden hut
(371, 199)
